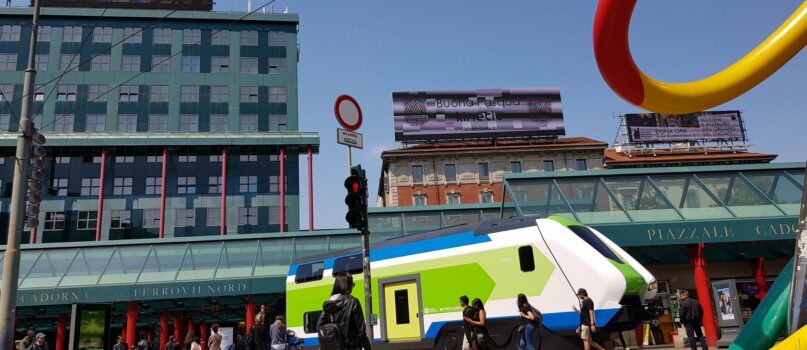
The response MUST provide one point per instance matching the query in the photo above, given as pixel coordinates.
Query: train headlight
(653, 285)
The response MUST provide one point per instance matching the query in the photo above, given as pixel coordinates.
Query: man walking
(26, 341)
(120, 345)
(214, 343)
(172, 343)
(467, 328)
(588, 324)
(691, 314)
(278, 334)
(40, 343)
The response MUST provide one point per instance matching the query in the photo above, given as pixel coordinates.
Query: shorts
(585, 333)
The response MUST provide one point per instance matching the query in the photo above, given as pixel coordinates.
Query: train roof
(481, 228)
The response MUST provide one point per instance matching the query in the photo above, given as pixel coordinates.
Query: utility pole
(11, 263)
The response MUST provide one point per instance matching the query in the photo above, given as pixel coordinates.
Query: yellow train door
(402, 310)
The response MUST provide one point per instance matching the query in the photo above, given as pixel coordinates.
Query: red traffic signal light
(356, 200)
(355, 184)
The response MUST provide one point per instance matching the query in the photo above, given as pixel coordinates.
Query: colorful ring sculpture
(616, 64)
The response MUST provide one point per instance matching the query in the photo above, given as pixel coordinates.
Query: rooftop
(131, 14)
(512, 144)
(692, 155)
(286, 138)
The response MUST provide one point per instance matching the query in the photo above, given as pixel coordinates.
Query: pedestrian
(214, 343)
(195, 343)
(121, 344)
(39, 343)
(468, 314)
(479, 323)
(343, 312)
(278, 334)
(587, 322)
(28, 339)
(260, 334)
(691, 314)
(172, 343)
(143, 344)
(532, 321)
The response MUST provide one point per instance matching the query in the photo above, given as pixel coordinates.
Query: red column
(759, 275)
(250, 313)
(150, 336)
(162, 193)
(131, 323)
(163, 328)
(33, 235)
(223, 191)
(704, 292)
(178, 326)
(282, 189)
(61, 331)
(203, 335)
(101, 197)
(310, 190)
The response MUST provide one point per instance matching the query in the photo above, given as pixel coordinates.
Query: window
(63, 123)
(154, 159)
(162, 35)
(219, 94)
(100, 63)
(549, 165)
(188, 122)
(215, 158)
(274, 215)
(43, 33)
(6, 92)
(41, 62)
(97, 93)
(151, 218)
(124, 159)
(186, 159)
(90, 186)
(417, 174)
(190, 64)
(10, 32)
(191, 36)
(581, 164)
(66, 93)
(402, 306)
(277, 122)
(213, 216)
(186, 185)
(484, 173)
(58, 187)
(351, 264)
(309, 272)
(133, 35)
(277, 94)
(249, 37)
(130, 63)
(158, 123)
(220, 37)
(248, 123)
(218, 122)
(68, 62)
(587, 235)
(8, 61)
(160, 63)
(122, 186)
(515, 167)
(39, 94)
(453, 198)
(277, 38)
(71, 34)
(277, 65)
(486, 197)
(54, 221)
(5, 120)
(248, 158)
(62, 160)
(219, 64)
(248, 184)
(154, 185)
(159, 93)
(121, 219)
(214, 184)
(247, 216)
(96, 123)
(87, 220)
(249, 65)
(526, 258)
(186, 218)
(127, 123)
(128, 93)
(102, 35)
(249, 94)
(419, 200)
(451, 173)
(190, 93)
(274, 183)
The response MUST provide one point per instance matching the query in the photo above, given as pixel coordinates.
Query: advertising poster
(226, 338)
(668, 128)
(89, 326)
(724, 304)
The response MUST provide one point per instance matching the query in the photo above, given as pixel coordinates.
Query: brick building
(682, 157)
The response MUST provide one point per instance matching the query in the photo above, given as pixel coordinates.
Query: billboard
(89, 326)
(669, 128)
(493, 113)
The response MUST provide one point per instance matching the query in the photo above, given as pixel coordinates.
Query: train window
(310, 320)
(402, 306)
(351, 264)
(585, 234)
(309, 272)
(526, 258)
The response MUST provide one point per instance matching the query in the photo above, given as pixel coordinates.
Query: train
(417, 281)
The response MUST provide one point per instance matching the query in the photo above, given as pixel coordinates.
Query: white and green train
(417, 281)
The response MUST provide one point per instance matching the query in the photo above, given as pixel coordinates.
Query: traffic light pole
(11, 263)
(368, 287)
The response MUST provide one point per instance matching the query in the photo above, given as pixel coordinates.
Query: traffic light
(356, 199)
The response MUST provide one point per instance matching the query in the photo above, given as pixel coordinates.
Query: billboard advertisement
(461, 114)
(89, 326)
(669, 128)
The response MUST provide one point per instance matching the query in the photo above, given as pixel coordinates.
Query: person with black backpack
(341, 324)
(259, 334)
(532, 321)
(143, 344)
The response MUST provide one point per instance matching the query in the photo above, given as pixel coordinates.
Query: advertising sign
(436, 115)
(668, 128)
(226, 338)
(89, 326)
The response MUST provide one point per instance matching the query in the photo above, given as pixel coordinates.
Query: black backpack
(329, 334)
(539, 319)
(248, 342)
(143, 345)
